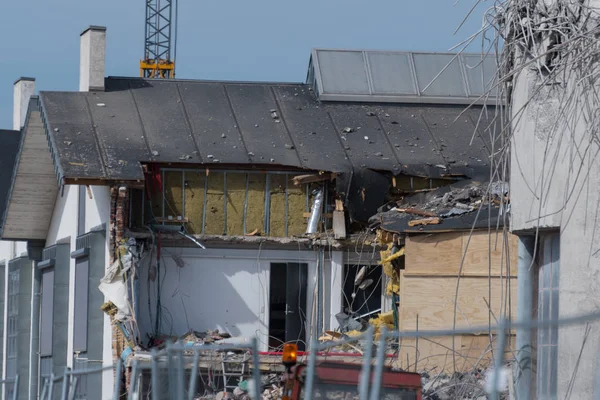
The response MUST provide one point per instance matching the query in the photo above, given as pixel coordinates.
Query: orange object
(290, 354)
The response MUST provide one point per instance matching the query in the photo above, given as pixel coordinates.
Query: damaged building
(162, 209)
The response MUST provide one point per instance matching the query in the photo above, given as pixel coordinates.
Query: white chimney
(24, 88)
(92, 59)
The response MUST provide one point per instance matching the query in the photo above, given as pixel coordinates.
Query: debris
(210, 156)
(155, 153)
(185, 157)
(365, 284)
(347, 130)
(416, 211)
(251, 154)
(426, 221)
(453, 212)
(312, 178)
(56, 129)
(289, 146)
(68, 143)
(366, 138)
(371, 114)
(223, 135)
(360, 275)
(101, 105)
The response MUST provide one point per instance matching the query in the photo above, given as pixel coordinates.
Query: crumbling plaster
(555, 175)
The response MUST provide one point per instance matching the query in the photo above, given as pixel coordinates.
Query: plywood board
(430, 254)
(441, 254)
(435, 354)
(432, 298)
(489, 250)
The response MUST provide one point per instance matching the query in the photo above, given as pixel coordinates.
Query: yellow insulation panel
(236, 197)
(255, 216)
(215, 206)
(173, 194)
(296, 205)
(194, 200)
(277, 215)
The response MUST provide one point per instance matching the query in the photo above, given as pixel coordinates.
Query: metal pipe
(44, 389)
(525, 285)
(312, 363)
(256, 369)
(180, 376)
(378, 374)
(315, 213)
(365, 375)
(51, 387)
(73, 388)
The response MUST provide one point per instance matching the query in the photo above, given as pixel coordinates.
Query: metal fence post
(310, 373)
(154, 371)
(16, 391)
(499, 360)
(365, 376)
(134, 380)
(63, 393)
(194, 376)
(256, 370)
(117, 392)
(378, 373)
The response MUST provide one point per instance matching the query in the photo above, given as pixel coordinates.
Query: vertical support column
(525, 285)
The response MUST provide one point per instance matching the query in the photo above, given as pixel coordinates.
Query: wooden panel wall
(428, 290)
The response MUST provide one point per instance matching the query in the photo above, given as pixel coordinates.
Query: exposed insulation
(173, 194)
(296, 204)
(236, 197)
(137, 200)
(194, 200)
(215, 207)
(392, 272)
(277, 216)
(255, 217)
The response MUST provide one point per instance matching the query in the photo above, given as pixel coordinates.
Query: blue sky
(218, 39)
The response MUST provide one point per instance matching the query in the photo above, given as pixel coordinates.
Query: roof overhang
(33, 188)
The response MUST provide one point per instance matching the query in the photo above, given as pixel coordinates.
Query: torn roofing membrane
(107, 135)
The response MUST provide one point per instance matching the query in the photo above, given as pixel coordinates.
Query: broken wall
(487, 290)
(224, 289)
(213, 202)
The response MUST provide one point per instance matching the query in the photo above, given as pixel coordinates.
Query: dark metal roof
(11, 141)
(106, 135)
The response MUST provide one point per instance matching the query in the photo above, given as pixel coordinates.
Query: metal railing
(15, 389)
(174, 372)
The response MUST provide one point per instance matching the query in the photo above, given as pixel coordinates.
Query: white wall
(97, 209)
(555, 176)
(219, 289)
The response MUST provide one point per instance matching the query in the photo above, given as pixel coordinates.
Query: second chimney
(23, 89)
(92, 59)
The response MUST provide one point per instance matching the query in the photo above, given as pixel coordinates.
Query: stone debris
(458, 386)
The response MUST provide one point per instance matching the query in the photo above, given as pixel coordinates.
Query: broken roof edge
(32, 100)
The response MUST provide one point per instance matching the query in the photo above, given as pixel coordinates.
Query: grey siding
(19, 323)
(89, 321)
(54, 313)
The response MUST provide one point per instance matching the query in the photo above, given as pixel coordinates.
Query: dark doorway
(287, 304)
(362, 301)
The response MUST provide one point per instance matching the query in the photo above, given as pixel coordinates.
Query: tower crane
(159, 44)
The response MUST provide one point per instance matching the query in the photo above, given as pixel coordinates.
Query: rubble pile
(458, 386)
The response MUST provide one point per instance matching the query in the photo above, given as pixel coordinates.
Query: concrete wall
(555, 176)
(222, 289)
